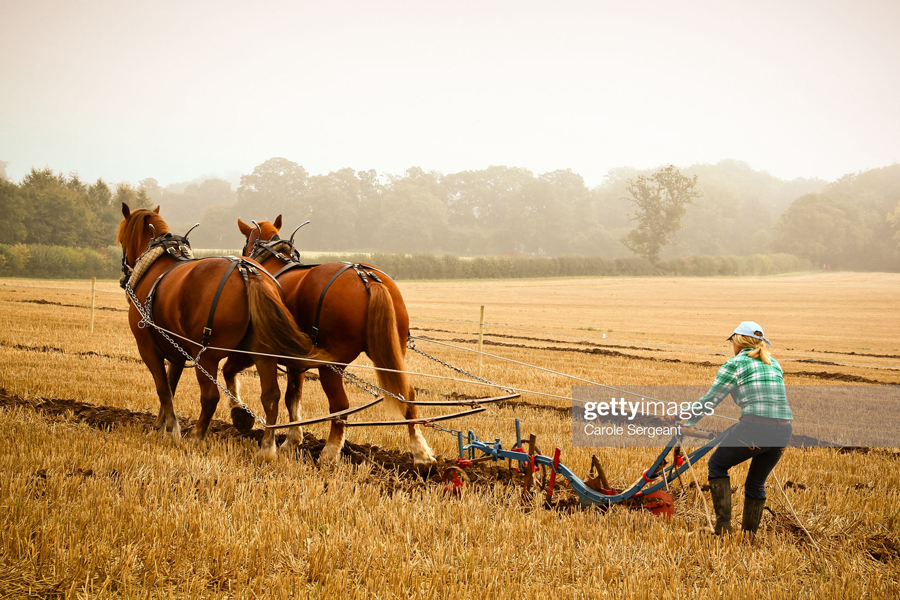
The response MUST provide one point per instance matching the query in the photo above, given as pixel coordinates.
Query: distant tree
(272, 185)
(135, 198)
(13, 211)
(331, 204)
(218, 228)
(151, 186)
(56, 210)
(107, 213)
(874, 194)
(3, 165)
(482, 207)
(709, 227)
(822, 228)
(413, 219)
(369, 214)
(660, 202)
(894, 220)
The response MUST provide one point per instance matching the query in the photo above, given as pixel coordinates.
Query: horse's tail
(384, 347)
(276, 328)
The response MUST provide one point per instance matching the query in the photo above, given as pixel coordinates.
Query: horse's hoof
(267, 454)
(424, 461)
(289, 444)
(241, 419)
(330, 455)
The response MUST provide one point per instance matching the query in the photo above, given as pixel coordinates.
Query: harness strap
(207, 331)
(148, 302)
(315, 329)
(362, 276)
(361, 271)
(256, 271)
(370, 268)
(291, 267)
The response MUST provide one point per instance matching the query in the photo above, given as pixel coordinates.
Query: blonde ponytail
(759, 349)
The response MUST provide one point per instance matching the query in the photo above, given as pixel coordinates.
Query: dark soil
(110, 308)
(54, 350)
(398, 466)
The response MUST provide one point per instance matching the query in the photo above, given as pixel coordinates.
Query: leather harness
(177, 247)
(293, 262)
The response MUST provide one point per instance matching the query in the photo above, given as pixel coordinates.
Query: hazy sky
(175, 90)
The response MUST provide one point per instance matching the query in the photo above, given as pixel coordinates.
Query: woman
(756, 384)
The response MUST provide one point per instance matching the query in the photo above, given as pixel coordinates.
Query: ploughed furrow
(614, 353)
(397, 467)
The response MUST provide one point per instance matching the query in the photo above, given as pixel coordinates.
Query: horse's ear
(126, 212)
(245, 229)
(156, 210)
(277, 223)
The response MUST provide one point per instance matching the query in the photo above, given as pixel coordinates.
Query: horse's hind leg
(175, 371)
(271, 394)
(421, 451)
(292, 401)
(333, 384)
(209, 398)
(166, 422)
(240, 418)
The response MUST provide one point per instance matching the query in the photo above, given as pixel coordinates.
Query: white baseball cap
(750, 329)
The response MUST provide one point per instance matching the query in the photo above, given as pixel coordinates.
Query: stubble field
(93, 502)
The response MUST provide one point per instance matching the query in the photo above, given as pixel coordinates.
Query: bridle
(258, 246)
(176, 246)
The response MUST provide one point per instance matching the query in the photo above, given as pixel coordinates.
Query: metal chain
(146, 320)
(411, 344)
(364, 385)
(442, 429)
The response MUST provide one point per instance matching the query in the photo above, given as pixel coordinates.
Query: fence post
(93, 300)
(480, 338)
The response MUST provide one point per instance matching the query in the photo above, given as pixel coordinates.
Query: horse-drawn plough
(270, 264)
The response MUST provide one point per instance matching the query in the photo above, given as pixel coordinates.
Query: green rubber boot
(720, 489)
(753, 510)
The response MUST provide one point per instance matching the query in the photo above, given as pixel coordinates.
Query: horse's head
(136, 230)
(262, 231)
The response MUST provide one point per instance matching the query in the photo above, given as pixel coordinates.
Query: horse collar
(175, 246)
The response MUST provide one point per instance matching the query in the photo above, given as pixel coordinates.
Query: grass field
(95, 503)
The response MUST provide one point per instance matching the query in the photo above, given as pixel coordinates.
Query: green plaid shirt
(756, 387)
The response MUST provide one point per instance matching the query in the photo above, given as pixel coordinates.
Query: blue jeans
(761, 443)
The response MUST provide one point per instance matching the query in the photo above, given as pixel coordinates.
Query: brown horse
(353, 317)
(249, 315)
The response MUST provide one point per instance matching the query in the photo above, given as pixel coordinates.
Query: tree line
(728, 209)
